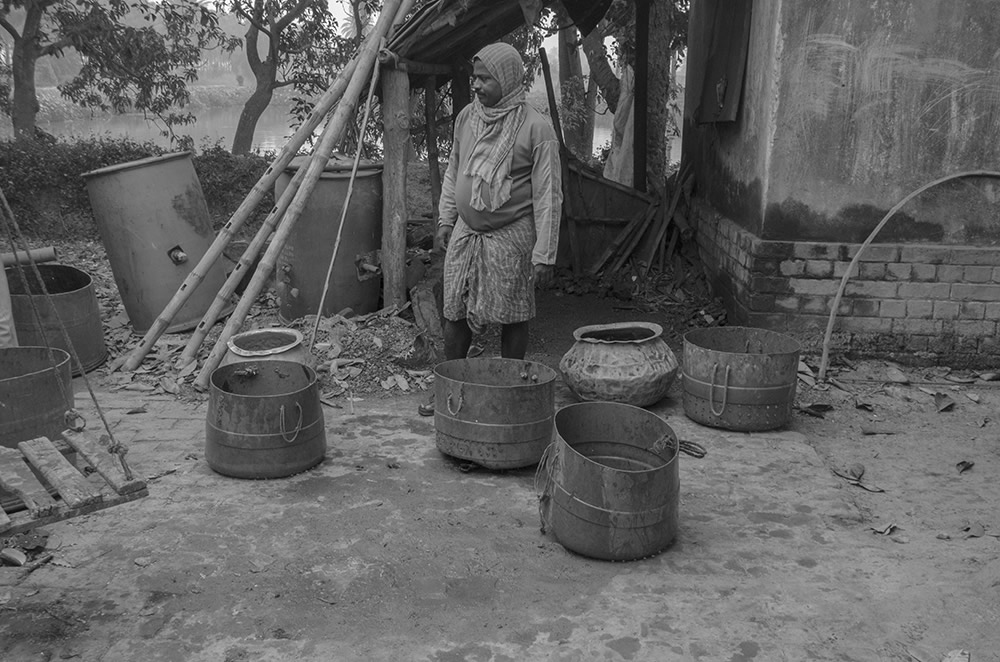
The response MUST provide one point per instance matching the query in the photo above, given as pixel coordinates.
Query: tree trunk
(658, 77)
(600, 68)
(572, 95)
(252, 110)
(24, 105)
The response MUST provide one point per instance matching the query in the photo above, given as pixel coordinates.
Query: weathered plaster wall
(876, 99)
(731, 158)
(848, 106)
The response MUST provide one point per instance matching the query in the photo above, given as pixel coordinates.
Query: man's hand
(544, 274)
(442, 238)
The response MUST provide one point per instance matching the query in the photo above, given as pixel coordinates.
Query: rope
(544, 472)
(13, 231)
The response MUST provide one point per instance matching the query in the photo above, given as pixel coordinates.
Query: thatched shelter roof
(445, 32)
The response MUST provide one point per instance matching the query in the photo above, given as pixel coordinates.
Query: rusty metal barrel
(739, 378)
(36, 391)
(71, 304)
(264, 420)
(611, 481)
(496, 413)
(155, 226)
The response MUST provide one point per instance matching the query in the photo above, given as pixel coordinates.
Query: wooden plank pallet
(51, 489)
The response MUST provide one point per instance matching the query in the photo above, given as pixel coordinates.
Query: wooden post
(641, 104)
(396, 143)
(430, 113)
(461, 92)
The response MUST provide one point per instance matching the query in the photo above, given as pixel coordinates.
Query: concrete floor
(388, 550)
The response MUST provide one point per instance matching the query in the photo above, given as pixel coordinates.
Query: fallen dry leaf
(975, 530)
(884, 530)
(974, 397)
(141, 409)
(957, 655)
(815, 409)
(943, 402)
(896, 376)
(964, 466)
(877, 427)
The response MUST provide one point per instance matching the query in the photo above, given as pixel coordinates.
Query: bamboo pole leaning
(332, 135)
(240, 216)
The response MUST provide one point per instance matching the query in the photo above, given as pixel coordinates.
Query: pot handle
(461, 399)
(725, 391)
(691, 448)
(298, 426)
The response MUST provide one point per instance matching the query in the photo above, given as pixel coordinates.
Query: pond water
(219, 125)
(214, 125)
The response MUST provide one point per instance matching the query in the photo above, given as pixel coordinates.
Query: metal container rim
(653, 327)
(296, 339)
(272, 364)
(644, 412)
(55, 350)
(119, 167)
(550, 374)
(56, 267)
(796, 347)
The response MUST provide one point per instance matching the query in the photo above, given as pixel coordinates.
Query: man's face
(484, 85)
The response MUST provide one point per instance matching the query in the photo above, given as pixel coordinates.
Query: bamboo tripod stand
(341, 98)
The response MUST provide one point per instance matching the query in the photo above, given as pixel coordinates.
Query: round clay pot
(625, 362)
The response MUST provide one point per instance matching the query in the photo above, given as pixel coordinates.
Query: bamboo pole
(332, 134)
(240, 216)
(221, 300)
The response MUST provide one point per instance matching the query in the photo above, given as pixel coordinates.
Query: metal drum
(264, 420)
(71, 303)
(739, 378)
(34, 399)
(156, 227)
(494, 412)
(34, 396)
(301, 269)
(611, 485)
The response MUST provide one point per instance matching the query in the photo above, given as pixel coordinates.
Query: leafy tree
(287, 43)
(137, 54)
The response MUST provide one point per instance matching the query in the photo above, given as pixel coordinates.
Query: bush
(42, 182)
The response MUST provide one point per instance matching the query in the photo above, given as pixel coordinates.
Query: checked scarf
(494, 129)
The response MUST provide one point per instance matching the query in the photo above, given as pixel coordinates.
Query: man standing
(501, 200)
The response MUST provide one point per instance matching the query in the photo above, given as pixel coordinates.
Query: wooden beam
(641, 106)
(389, 59)
(396, 144)
(430, 115)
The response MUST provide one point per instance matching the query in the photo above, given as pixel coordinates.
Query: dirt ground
(389, 550)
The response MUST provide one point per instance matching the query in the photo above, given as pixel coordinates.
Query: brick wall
(913, 303)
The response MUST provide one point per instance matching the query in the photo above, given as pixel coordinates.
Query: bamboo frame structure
(332, 135)
(329, 99)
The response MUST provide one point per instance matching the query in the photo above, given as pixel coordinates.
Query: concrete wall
(847, 107)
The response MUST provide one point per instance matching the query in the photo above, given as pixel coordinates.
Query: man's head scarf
(494, 129)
